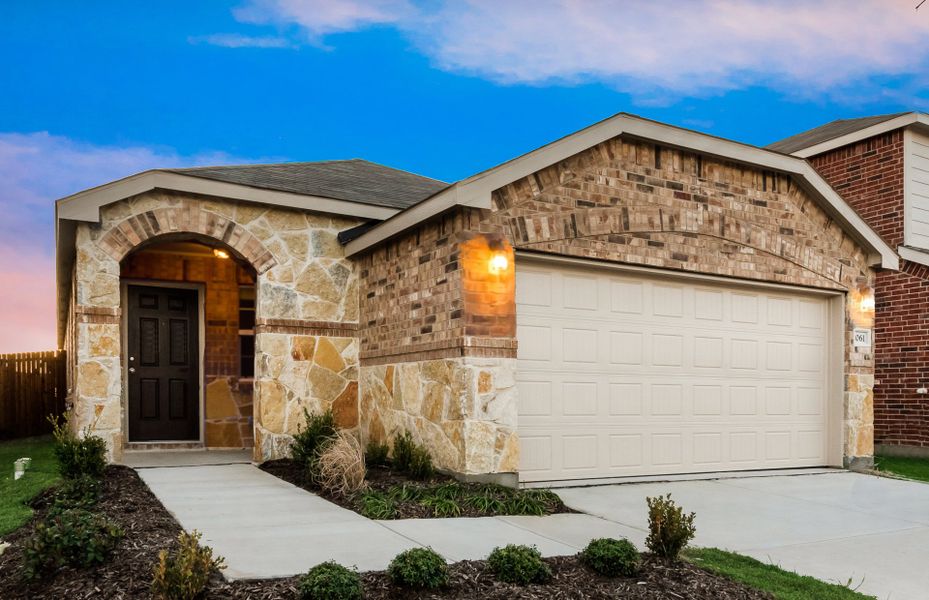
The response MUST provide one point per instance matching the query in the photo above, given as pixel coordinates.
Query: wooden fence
(32, 386)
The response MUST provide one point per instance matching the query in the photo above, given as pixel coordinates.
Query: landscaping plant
(376, 505)
(669, 529)
(519, 564)
(75, 538)
(411, 458)
(611, 557)
(340, 467)
(418, 568)
(184, 574)
(80, 492)
(77, 456)
(377, 455)
(316, 434)
(330, 581)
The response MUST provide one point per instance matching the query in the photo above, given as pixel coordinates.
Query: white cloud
(234, 40)
(35, 170)
(321, 17)
(687, 48)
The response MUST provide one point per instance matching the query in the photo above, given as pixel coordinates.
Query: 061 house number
(862, 338)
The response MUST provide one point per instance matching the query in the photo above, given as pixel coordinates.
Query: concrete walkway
(265, 527)
(837, 527)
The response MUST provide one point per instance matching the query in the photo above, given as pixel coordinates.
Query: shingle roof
(353, 180)
(827, 132)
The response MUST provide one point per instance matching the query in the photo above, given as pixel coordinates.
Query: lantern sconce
(499, 260)
(863, 304)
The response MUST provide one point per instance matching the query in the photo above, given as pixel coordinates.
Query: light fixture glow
(218, 253)
(498, 263)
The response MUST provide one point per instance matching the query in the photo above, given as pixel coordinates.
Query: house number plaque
(862, 338)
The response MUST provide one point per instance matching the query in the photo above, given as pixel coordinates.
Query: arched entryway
(188, 331)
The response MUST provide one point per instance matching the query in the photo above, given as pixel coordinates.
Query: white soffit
(475, 191)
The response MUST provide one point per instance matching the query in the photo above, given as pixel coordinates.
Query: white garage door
(623, 374)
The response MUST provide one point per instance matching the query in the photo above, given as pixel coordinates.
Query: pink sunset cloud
(35, 170)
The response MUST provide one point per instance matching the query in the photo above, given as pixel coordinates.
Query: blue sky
(93, 91)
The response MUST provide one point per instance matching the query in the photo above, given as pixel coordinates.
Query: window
(247, 331)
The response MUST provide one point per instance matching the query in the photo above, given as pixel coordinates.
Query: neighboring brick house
(633, 299)
(880, 165)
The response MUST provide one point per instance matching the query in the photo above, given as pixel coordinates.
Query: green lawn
(14, 495)
(783, 585)
(911, 468)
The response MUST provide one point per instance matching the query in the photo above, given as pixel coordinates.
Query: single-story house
(632, 299)
(880, 165)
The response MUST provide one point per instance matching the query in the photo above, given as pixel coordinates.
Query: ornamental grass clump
(669, 529)
(611, 557)
(340, 467)
(330, 581)
(517, 564)
(418, 568)
(184, 574)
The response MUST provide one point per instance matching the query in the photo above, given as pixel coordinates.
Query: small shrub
(80, 492)
(75, 538)
(519, 564)
(77, 456)
(669, 529)
(317, 433)
(411, 458)
(340, 467)
(403, 451)
(330, 581)
(420, 568)
(421, 464)
(377, 455)
(611, 557)
(183, 575)
(376, 505)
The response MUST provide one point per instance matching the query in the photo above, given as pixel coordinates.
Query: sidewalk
(266, 527)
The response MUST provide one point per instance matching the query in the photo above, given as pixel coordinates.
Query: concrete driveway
(839, 526)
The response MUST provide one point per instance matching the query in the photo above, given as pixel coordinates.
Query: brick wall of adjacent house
(227, 398)
(869, 175)
(621, 201)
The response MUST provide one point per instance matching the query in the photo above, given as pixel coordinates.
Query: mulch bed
(150, 528)
(658, 579)
(382, 479)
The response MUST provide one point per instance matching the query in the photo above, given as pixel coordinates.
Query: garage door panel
(625, 375)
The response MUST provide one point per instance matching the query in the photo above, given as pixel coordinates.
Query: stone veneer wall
(228, 398)
(306, 288)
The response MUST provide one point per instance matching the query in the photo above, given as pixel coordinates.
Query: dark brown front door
(163, 364)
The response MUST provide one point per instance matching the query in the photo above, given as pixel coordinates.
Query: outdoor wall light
(499, 262)
(863, 304)
(218, 253)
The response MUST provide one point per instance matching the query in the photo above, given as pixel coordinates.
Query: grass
(783, 585)
(43, 473)
(911, 468)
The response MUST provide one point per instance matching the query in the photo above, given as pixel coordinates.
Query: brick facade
(620, 201)
(869, 175)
